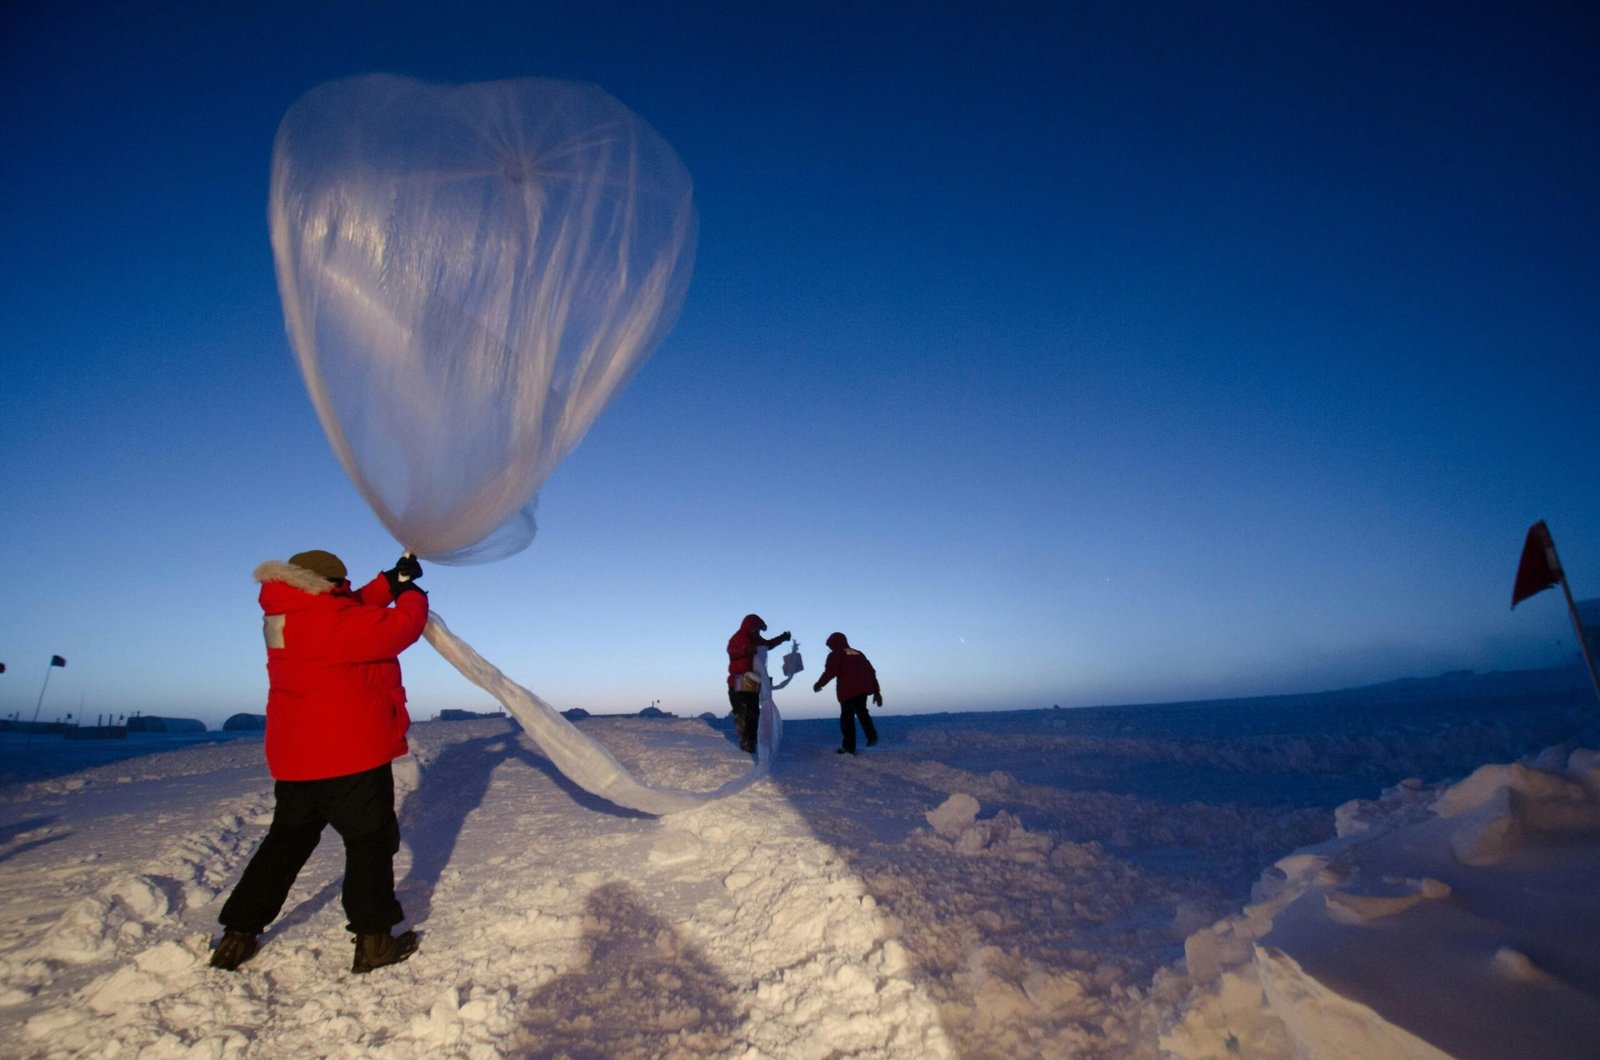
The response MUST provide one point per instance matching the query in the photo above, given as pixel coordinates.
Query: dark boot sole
(406, 945)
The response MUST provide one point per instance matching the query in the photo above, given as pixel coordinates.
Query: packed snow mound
(963, 889)
(1452, 922)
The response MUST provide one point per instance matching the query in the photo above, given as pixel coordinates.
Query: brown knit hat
(319, 562)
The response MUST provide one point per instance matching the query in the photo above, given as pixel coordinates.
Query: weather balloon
(469, 274)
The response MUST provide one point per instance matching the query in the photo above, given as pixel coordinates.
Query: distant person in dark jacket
(336, 718)
(744, 685)
(856, 681)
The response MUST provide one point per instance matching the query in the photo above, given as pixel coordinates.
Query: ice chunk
(954, 816)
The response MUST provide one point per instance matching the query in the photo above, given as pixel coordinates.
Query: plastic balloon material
(585, 762)
(469, 274)
(769, 728)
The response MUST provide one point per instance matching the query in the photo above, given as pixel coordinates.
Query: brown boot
(235, 948)
(380, 948)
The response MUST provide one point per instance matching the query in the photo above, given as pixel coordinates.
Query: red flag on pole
(1539, 569)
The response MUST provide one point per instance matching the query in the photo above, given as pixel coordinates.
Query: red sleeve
(375, 592)
(369, 633)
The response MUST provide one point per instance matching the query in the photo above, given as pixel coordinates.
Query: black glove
(398, 586)
(402, 577)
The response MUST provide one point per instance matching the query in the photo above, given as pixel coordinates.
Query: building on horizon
(151, 723)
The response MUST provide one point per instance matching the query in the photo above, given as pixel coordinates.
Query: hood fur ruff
(274, 570)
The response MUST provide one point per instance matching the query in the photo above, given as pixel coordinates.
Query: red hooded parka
(336, 705)
(743, 644)
(856, 675)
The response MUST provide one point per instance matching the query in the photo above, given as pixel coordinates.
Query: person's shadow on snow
(453, 784)
(32, 824)
(638, 981)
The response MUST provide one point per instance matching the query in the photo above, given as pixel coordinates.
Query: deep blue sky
(1057, 353)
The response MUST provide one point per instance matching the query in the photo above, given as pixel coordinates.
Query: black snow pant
(746, 717)
(851, 709)
(360, 807)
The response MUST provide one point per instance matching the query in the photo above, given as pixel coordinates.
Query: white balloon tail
(582, 760)
(769, 730)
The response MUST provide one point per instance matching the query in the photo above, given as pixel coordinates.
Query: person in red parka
(857, 680)
(744, 689)
(336, 719)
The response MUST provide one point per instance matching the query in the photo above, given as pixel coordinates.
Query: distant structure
(575, 714)
(95, 732)
(469, 715)
(245, 723)
(151, 723)
(655, 712)
(14, 725)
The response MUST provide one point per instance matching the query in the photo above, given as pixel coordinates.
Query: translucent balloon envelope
(469, 274)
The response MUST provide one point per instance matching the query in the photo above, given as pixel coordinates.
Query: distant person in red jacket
(744, 687)
(336, 718)
(857, 680)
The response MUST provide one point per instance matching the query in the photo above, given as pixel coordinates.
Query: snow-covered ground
(1067, 883)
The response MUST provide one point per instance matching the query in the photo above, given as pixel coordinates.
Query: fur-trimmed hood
(276, 570)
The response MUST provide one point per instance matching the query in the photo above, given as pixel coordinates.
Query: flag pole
(50, 666)
(1577, 623)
